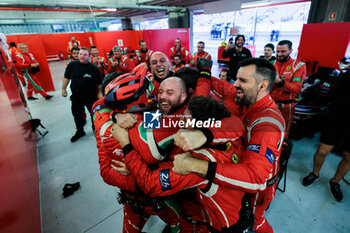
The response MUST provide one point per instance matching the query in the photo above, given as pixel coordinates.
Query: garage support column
(178, 19)
(329, 11)
(126, 24)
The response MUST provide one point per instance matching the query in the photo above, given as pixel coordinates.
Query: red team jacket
(123, 65)
(293, 72)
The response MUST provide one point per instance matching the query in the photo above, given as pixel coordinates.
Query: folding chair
(285, 154)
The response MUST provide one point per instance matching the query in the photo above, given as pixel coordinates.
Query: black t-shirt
(272, 59)
(235, 57)
(84, 77)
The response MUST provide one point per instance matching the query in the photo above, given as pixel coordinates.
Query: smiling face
(171, 95)
(200, 47)
(160, 65)
(94, 52)
(117, 53)
(239, 42)
(246, 86)
(283, 52)
(84, 56)
(75, 54)
(223, 75)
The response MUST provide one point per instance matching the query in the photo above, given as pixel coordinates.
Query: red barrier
(325, 43)
(19, 192)
(105, 41)
(55, 44)
(163, 39)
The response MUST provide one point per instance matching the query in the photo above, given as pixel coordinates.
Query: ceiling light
(255, 4)
(110, 9)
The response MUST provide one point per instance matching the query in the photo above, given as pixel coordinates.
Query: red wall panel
(325, 43)
(36, 47)
(105, 41)
(57, 43)
(163, 39)
(19, 180)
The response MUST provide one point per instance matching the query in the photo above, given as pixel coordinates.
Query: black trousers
(78, 104)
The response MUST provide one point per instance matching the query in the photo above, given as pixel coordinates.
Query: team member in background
(86, 88)
(118, 62)
(269, 49)
(290, 76)
(225, 75)
(72, 43)
(29, 66)
(236, 54)
(177, 63)
(75, 54)
(144, 54)
(336, 130)
(13, 51)
(100, 62)
(178, 49)
(199, 54)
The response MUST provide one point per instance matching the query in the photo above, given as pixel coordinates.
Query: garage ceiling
(53, 11)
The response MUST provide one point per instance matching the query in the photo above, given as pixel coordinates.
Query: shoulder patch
(165, 179)
(254, 147)
(269, 155)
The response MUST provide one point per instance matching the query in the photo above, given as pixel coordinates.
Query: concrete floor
(94, 208)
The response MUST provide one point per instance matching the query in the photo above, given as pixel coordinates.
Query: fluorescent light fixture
(110, 9)
(255, 4)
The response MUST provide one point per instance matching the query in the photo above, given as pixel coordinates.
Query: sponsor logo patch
(269, 155)
(165, 179)
(254, 147)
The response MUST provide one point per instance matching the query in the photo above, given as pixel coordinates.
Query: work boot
(48, 97)
(32, 98)
(77, 135)
(309, 179)
(335, 190)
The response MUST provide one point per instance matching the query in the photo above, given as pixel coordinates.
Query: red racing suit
(143, 57)
(184, 53)
(110, 149)
(123, 64)
(292, 73)
(176, 68)
(264, 136)
(13, 51)
(23, 61)
(101, 63)
(220, 205)
(197, 55)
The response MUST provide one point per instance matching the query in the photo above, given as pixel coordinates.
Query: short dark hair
(264, 70)
(141, 41)
(13, 44)
(238, 36)
(189, 75)
(228, 72)
(178, 39)
(201, 42)
(286, 42)
(85, 48)
(177, 55)
(202, 108)
(271, 46)
(93, 47)
(75, 49)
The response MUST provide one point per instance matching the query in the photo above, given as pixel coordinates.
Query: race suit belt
(138, 203)
(273, 180)
(244, 223)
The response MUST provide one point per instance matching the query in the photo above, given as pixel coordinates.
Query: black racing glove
(204, 68)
